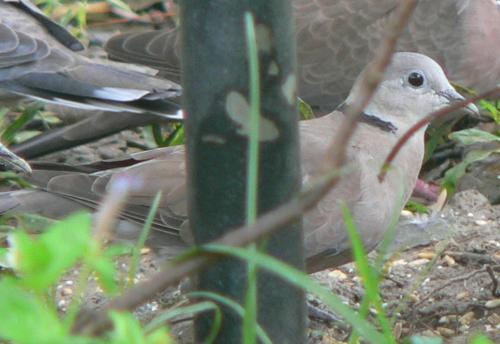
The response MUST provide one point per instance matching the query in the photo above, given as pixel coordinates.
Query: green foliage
(29, 314)
(25, 317)
(155, 137)
(473, 135)
(250, 318)
(134, 262)
(305, 110)
(468, 137)
(481, 339)
(42, 261)
(367, 273)
(416, 207)
(76, 14)
(127, 329)
(9, 133)
(436, 137)
(493, 108)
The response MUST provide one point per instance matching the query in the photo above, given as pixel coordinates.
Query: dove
(413, 86)
(335, 39)
(39, 59)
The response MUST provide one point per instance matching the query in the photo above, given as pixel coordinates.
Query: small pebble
(66, 291)
(419, 262)
(407, 213)
(467, 318)
(427, 255)
(61, 305)
(444, 320)
(413, 297)
(445, 332)
(492, 303)
(481, 222)
(428, 333)
(397, 330)
(463, 295)
(399, 262)
(338, 275)
(449, 261)
(494, 319)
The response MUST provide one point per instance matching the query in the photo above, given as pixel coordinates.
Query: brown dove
(413, 86)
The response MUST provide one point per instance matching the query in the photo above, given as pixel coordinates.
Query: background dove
(335, 39)
(38, 59)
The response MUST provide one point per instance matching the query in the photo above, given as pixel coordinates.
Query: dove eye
(416, 79)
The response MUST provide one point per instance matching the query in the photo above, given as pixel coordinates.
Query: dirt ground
(443, 283)
(441, 279)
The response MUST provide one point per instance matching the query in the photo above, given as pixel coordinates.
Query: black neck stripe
(372, 120)
(378, 122)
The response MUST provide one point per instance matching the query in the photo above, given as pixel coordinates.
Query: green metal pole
(216, 103)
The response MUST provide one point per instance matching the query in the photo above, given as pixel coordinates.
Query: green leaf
(416, 207)
(453, 175)
(493, 109)
(106, 273)
(481, 339)
(25, 318)
(11, 131)
(121, 5)
(135, 259)
(42, 261)
(3, 112)
(33, 223)
(127, 329)
(436, 136)
(473, 135)
(367, 273)
(305, 110)
(252, 177)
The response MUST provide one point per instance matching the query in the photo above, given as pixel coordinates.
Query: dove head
(413, 86)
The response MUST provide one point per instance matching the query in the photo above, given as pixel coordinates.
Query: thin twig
(96, 322)
(494, 288)
(450, 282)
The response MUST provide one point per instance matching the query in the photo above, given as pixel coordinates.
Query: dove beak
(453, 96)
(10, 161)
